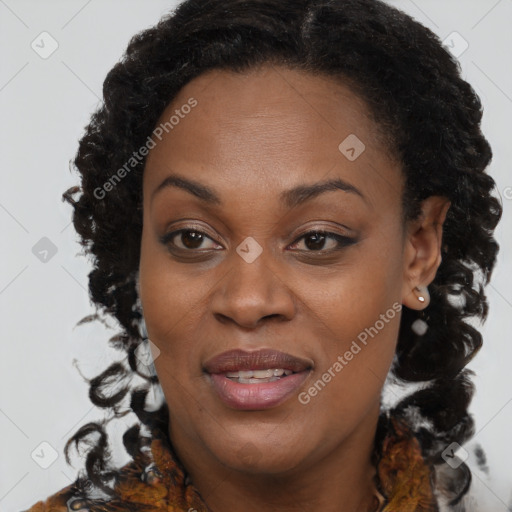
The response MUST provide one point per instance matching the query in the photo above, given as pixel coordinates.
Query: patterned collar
(155, 481)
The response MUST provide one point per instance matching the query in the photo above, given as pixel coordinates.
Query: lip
(236, 360)
(256, 396)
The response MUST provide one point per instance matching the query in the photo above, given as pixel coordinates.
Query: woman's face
(235, 276)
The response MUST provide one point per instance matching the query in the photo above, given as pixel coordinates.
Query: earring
(422, 294)
(419, 326)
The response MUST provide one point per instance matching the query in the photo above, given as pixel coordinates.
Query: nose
(252, 292)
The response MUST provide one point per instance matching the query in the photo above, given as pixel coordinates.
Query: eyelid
(324, 227)
(190, 225)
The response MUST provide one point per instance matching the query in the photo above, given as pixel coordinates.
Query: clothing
(163, 485)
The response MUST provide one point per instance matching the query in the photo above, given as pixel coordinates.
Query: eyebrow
(291, 198)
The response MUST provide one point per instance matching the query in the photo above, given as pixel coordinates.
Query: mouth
(256, 380)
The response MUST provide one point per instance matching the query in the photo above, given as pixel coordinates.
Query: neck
(342, 478)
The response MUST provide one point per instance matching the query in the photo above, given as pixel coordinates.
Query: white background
(44, 106)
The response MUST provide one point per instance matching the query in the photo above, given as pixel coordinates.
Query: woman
(289, 199)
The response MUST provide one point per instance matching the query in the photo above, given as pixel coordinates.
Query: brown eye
(188, 240)
(315, 241)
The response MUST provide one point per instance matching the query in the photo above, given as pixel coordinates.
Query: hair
(431, 120)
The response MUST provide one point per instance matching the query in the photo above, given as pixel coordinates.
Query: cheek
(171, 304)
(353, 357)
(353, 296)
(169, 299)
(357, 313)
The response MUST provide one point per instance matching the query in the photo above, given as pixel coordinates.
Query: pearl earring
(423, 295)
(419, 326)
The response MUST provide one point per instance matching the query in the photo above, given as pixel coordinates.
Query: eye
(316, 241)
(189, 240)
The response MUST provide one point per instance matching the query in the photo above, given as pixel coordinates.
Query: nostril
(273, 315)
(223, 319)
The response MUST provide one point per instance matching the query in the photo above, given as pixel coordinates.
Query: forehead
(271, 126)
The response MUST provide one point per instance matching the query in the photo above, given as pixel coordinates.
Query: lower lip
(256, 396)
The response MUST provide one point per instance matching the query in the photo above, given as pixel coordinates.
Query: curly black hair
(431, 120)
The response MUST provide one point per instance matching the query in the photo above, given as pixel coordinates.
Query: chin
(262, 454)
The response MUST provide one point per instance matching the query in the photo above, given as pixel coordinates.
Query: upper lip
(236, 360)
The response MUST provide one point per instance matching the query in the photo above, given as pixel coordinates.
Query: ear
(422, 251)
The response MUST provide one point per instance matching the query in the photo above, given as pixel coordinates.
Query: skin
(251, 137)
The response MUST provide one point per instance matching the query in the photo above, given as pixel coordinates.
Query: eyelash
(343, 241)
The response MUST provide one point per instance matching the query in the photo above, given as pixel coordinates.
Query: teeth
(255, 376)
(265, 374)
(256, 381)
